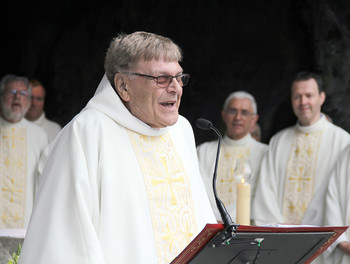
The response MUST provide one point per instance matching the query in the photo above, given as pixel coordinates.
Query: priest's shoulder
(285, 132)
(54, 124)
(36, 133)
(90, 116)
(338, 129)
(88, 123)
(183, 123)
(345, 153)
(207, 146)
(261, 145)
(38, 130)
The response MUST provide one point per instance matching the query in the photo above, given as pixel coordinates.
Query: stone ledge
(8, 245)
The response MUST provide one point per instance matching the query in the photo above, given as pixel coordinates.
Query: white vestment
(105, 191)
(319, 147)
(337, 210)
(232, 154)
(51, 128)
(20, 149)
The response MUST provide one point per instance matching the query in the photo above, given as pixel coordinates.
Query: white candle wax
(243, 203)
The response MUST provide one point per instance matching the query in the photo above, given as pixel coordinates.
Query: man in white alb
(122, 182)
(299, 158)
(21, 143)
(36, 112)
(240, 154)
(337, 211)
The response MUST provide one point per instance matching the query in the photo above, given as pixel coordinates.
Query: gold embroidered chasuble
(169, 194)
(13, 171)
(231, 169)
(300, 175)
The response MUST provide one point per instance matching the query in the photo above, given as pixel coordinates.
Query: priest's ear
(254, 121)
(121, 86)
(255, 118)
(322, 97)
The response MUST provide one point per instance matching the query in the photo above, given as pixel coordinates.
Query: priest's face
(239, 118)
(15, 101)
(155, 106)
(307, 101)
(37, 103)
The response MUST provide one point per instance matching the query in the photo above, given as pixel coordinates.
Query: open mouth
(237, 124)
(168, 104)
(16, 105)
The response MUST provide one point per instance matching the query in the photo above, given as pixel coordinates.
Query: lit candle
(243, 203)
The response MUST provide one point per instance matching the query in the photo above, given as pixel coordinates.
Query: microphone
(207, 125)
(204, 124)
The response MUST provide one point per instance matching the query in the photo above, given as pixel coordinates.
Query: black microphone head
(204, 124)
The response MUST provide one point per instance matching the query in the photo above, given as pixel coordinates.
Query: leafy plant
(15, 256)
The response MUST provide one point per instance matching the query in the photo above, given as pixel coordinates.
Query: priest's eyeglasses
(234, 111)
(164, 81)
(14, 92)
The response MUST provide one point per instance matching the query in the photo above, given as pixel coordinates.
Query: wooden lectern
(260, 245)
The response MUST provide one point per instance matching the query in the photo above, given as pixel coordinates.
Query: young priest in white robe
(36, 112)
(122, 182)
(239, 152)
(336, 196)
(299, 158)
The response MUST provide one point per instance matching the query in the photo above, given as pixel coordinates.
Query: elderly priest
(122, 182)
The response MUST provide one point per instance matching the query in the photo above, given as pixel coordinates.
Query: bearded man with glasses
(122, 182)
(21, 144)
(239, 154)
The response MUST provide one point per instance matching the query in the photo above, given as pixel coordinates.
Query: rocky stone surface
(233, 45)
(7, 247)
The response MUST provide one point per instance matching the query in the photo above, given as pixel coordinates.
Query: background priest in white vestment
(238, 149)
(337, 212)
(335, 193)
(36, 112)
(21, 143)
(122, 181)
(299, 158)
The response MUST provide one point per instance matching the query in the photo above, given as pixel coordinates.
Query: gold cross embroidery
(16, 217)
(168, 180)
(291, 207)
(12, 189)
(4, 217)
(310, 151)
(7, 163)
(170, 235)
(227, 155)
(13, 137)
(300, 179)
(168, 192)
(228, 181)
(297, 151)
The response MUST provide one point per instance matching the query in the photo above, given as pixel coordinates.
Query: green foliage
(15, 256)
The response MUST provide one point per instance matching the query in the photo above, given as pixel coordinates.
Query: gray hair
(128, 49)
(241, 95)
(10, 78)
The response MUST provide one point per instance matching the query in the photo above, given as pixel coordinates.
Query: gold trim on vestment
(13, 174)
(169, 194)
(300, 174)
(230, 172)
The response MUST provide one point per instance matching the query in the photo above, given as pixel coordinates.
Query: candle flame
(242, 181)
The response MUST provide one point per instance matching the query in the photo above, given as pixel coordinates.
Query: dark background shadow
(255, 46)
